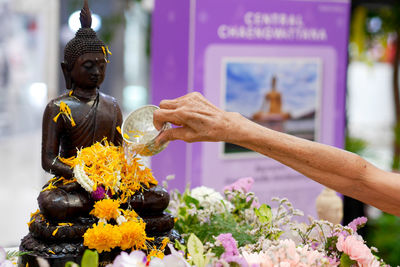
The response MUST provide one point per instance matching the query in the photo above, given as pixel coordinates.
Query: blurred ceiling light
(133, 97)
(74, 23)
(38, 94)
(374, 24)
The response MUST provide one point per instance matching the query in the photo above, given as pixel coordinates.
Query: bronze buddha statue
(93, 116)
(73, 121)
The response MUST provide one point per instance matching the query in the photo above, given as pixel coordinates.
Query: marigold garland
(105, 165)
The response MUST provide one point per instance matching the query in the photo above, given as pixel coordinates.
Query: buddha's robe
(94, 120)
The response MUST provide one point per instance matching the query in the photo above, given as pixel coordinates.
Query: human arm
(340, 170)
(51, 135)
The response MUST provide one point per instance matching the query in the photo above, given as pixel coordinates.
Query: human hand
(197, 120)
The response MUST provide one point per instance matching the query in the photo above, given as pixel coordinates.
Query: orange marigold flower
(106, 209)
(133, 235)
(102, 237)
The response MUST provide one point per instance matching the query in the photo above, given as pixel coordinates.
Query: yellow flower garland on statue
(104, 164)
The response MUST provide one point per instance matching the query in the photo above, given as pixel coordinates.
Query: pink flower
(231, 253)
(357, 251)
(357, 223)
(257, 259)
(243, 184)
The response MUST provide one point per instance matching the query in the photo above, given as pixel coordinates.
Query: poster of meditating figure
(277, 93)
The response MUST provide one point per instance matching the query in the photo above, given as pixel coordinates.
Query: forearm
(340, 170)
(54, 166)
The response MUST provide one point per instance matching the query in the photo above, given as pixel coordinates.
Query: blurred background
(35, 32)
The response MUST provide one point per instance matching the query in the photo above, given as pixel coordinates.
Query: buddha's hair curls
(85, 40)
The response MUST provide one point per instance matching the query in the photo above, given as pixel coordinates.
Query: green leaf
(90, 259)
(180, 246)
(264, 213)
(188, 200)
(196, 250)
(345, 261)
(71, 264)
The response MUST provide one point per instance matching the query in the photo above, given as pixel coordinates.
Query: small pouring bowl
(139, 133)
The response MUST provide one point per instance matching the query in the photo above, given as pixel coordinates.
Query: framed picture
(282, 94)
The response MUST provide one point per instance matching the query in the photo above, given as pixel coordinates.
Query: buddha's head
(273, 82)
(85, 56)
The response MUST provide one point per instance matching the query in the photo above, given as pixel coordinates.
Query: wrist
(234, 127)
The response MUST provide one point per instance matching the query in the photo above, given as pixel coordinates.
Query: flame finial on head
(86, 15)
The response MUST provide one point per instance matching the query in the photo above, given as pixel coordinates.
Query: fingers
(161, 116)
(180, 133)
(169, 104)
(178, 102)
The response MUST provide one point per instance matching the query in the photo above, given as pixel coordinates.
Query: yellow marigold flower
(106, 165)
(29, 223)
(102, 237)
(155, 253)
(106, 209)
(65, 224)
(55, 232)
(108, 50)
(130, 215)
(65, 110)
(119, 130)
(164, 243)
(133, 235)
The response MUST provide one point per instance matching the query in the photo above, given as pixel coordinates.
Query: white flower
(211, 200)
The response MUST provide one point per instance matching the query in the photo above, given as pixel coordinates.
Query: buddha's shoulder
(107, 99)
(56, 102)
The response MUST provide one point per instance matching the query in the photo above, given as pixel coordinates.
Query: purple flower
(357, 223)
(3, 259)
(243, 184)
(100, 193)
(231, 253)
(314, 245)
(333, 261)
(229, 244)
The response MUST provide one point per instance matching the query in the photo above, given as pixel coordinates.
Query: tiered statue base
(59, 240)
(64, 252)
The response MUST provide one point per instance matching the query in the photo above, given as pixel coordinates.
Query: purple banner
(280, 63)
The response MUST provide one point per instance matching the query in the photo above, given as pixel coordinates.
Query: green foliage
(196, 250)
(384, 233)
(89, 259)
(345, 261)
(355, 145)
(15, 254)
(219, 223)
(264, 213)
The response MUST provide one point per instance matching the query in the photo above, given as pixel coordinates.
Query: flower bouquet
(234, 229)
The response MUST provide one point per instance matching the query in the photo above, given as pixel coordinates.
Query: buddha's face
(89, 70)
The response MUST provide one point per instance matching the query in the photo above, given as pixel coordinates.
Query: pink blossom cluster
(243, 184)
(357, 251)
(286, 254)
(231, 254)
(357, 223)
